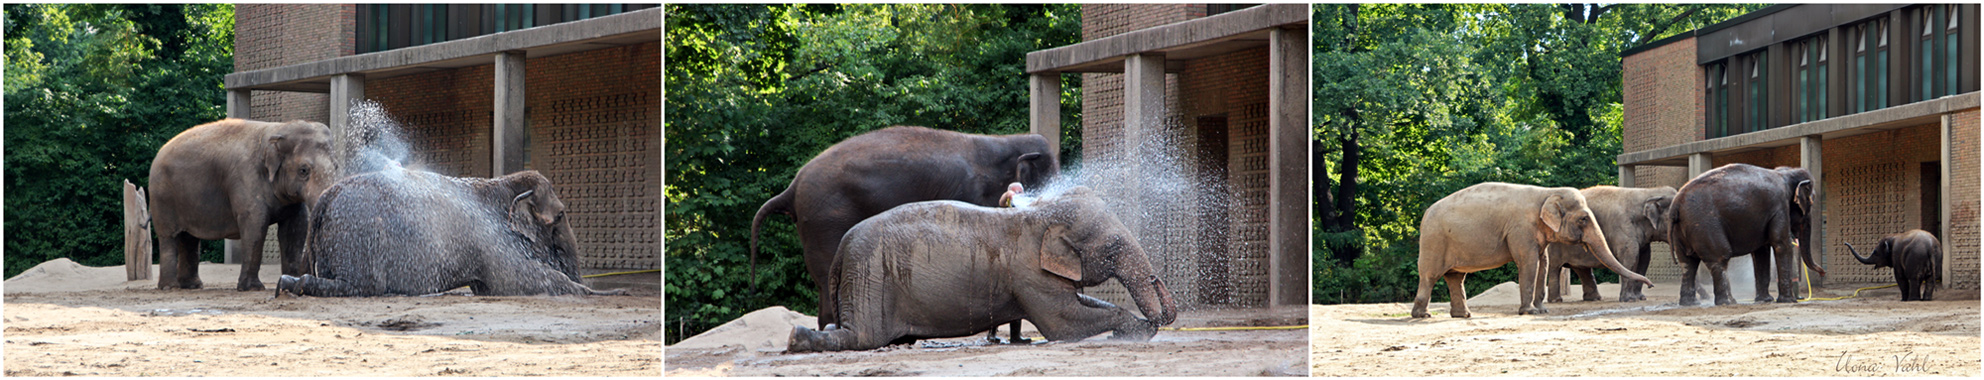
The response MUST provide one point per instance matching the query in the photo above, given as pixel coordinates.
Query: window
(1952, 57)
(1718, 100)
(1759, 93)
(1811, 79)
(1870, 66)
(384, 27)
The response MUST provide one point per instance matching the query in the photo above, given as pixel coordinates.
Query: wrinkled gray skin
(1737, 210)
(879, 170)
(1490, 224)
(946, 268)
(1913, 255)
(410, 232)
(231, 179)
(1632, 218)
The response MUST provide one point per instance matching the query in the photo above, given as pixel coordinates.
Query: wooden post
(137, 234)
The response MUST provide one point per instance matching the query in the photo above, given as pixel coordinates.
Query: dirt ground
(71, 320)
(754, 345)
(1873, 335)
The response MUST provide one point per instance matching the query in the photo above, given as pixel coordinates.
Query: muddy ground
(1873, 335)
(78, 322)
(754, 346)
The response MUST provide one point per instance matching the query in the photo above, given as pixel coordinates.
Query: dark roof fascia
(1746, 17)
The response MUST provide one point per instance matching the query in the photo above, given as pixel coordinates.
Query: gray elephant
(879, 170)
(410, 232)
(1490, 224)
(1914, 256)
(1632, 219)
(1737, 210)
(231, 179)
(946, 268)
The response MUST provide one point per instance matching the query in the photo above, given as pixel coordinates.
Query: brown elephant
(1914, 256)
(1490, 224)
(879, 170)
(947, 269)
(231, 179)
(1632, 219)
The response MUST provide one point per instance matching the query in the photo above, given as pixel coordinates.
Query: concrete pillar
(240, 104)
(1143, 99)
(1945, 204)
(346, 89)
(1626, 175)
(1288, 173)
(1044, 108)
(1809, 153)
(507, 133)
(1698, 163)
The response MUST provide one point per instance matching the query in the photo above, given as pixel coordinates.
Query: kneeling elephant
(947, 269)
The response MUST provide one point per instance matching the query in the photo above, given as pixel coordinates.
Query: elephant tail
(779, 204)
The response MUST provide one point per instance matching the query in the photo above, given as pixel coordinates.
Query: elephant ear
(272, 154)
(1553, 213)
(1803, 194)
(1653, 208)
(521, 217)
(1058, 254)
(1024, 169)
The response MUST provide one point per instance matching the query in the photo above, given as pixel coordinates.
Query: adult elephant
(879, 170)
(231, 179)
(1913, 255)
(946, 268)
(1486, 225)
(409, 232)
(1632, 219)
(1736, 210)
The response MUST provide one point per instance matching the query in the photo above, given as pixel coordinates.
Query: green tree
(754, 91)
(92, 90)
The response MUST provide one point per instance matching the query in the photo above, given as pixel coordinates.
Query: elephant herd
(1726, 212)
(389, 231)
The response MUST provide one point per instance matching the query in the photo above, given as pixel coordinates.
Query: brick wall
(1963, 238)
(447, 115)
(275, 35)
(1663, 107)
(1873, 189)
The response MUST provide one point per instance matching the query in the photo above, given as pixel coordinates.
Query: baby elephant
(409, 232)
(1913, 255)
(947, 269)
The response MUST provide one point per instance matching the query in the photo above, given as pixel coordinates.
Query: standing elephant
(408, 232)
(1632, 219)
(876, 171)
(1737, 210)
(947, 268)
(1913, 255)
(1486, 225)
(231, 179)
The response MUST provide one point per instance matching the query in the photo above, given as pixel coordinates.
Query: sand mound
(63, 275)
(767, 328)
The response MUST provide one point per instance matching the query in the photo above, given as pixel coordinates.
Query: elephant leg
(178, 261)
(252, 238)
(1590, 284)
(311, 285)
(1457, 289)
(1907, 287)
(1789, 283)
(1558, 283)
(833, 338)
(821, 235)
(1060, 321)
(1427, 275)
(1719, 275)
(993, 335)
(1761, 264)
(1631, 291)
(1530, 281)
(290, 234)
(1690, 267)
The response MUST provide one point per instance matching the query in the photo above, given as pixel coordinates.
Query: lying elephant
(1913, 255)
(1490, 224)
(1632, 218)
(410, 232)
(946, 269)
(231, 179)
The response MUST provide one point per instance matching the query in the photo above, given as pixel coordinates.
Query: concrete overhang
(623, 29)
(1181, 41)
(1885, 119)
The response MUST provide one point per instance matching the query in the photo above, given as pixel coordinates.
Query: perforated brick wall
(446, 115)
(275, 35)
(1874, 189)
(1963, 239)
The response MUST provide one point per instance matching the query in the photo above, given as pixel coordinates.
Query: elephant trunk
(1857, 256)
(1594, 241)
(1153, 299)
(1805, 253)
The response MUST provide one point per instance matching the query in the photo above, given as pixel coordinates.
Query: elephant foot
(1765, 298)
(1782, 300)
(1559, 300)
(1461, 314)
(1594, 297)
(1420, 312)
(1725, 301)
(1533, 310)
(289, 284)
(247, 286)
(804, 340)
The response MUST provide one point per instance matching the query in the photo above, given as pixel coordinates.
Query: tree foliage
(754, 91)
(92, 90)
(1416, 101)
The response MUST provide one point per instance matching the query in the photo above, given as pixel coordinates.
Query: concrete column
(1809, 153)
(507, 133)
(1626, 175)
(1288, 173)
(1143, 99)
(240, 104)
(1944, 191)
(346, 89)
(1698, 163)
(1044, 109)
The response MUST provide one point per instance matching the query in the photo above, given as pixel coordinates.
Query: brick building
(1196, 118)
(1880, 102)
(570, 90)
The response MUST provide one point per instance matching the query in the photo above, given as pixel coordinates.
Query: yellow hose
(1234, 328)
(1807, 273)
(620, 273)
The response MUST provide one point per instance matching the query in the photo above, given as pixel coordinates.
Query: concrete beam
(1810, 150)
(1044, 109)
(507, 133)
(1627, 176)
(1288, 153)
(1895, 117)
(628, 28)
(240, 104)
(1200, 32)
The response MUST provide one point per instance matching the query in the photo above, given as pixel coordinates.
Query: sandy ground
(754, 345)
(63, 319)
(1873, 335)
